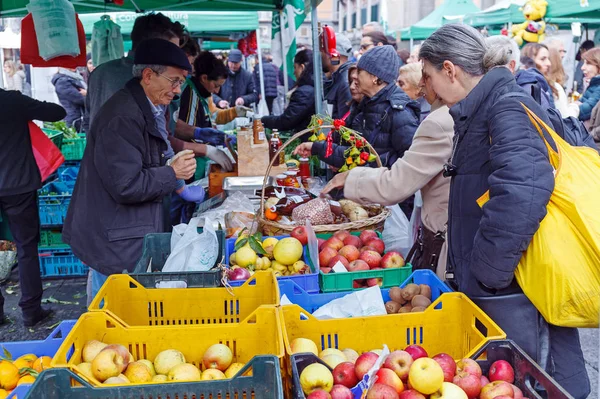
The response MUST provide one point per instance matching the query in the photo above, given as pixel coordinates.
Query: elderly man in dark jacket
(19, 181)
(124, 176)
(270, 72)
(239, 87)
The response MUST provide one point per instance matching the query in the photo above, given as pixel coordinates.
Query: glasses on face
(366, 46)
(175, 83)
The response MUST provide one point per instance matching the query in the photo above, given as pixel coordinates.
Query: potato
(347, 206)
(358, 213)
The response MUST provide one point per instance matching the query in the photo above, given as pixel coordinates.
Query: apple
(484, 380)
(518, 394)
(426, 375)
(301, 345)
(325, 269)
(376, 243)
(389, 378)
(218, 356)
(321, 242)
(333, 360)
(341, 392)
(342, 234)
(470, 366)
(299, 233)
(314, 377)
(121, 350)
(336, 259)
(416, 351)
(351, 355)
(469, 383)
(349, 252)
(365, 248)
(495, 389)
(372, 258)
(391, 260)
(364, 363)
(326, 255)
(449, 391)
(343, 374)
(399, 362)
(381, 391)
(319, 394)
(372, 282)
(108, 363)
(368, 235)
(411, 394)
(503, 397)
(334, 243)
(501, 370)
(358, 284)
(448, 365)
(353, 240)
(358, 265)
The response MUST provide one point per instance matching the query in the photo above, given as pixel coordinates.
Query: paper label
(339, 268)
(297, 199)
(261, 135)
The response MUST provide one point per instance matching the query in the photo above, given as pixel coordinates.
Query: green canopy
(451, 9)
(207, 23)
(499, 14)
(573, 8)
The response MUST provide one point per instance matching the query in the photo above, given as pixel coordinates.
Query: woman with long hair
(591, 72)
(15, 79)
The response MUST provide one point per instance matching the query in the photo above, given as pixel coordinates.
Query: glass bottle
(274, 146)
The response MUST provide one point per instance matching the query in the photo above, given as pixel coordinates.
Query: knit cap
(381, 61)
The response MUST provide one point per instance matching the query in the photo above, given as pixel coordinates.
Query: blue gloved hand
(232, 139)
(193, 193)
(209, 135)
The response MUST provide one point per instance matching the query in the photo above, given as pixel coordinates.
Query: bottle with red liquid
(274, 146)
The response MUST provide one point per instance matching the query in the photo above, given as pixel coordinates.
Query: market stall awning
(501, 13)
(573, 8)
(450, 9)
(199, 23)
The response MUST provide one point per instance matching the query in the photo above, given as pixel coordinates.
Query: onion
(239, 273)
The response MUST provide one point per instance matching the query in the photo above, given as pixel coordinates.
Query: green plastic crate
(73, 149)
(334, 282)
(51, 238)
(54, 135)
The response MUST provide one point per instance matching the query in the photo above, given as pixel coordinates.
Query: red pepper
(338, 123)
(359, 143)
(364, 156)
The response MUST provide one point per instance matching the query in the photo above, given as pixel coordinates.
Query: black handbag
(425, 253)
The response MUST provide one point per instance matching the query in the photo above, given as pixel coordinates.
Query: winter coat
(425, 108)
(297, 115)
(536, 85)
(337, 91)
(421, 168)
(589, 99)
(595, 123)
(19, 173)
(67, 88)
(270, 72)
(238, 84)
(497, 149)
(122, 182)
(388, 121)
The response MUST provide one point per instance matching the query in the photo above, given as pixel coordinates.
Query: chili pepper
(338, 123)
(364, 156)
(349, 161)
(322, 137)
(359, 143)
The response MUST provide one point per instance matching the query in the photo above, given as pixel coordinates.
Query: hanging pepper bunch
(358, 152)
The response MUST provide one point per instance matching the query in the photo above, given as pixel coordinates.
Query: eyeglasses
(174, 82)
(366, 46)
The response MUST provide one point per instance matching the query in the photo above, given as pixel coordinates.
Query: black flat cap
(161, 52)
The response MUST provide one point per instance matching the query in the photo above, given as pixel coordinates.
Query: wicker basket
(375, 222)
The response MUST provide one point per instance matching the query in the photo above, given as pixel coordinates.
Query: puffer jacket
(270, 72)
(589, 99)
(496, 149)
(299, 111)
(238, 84)
(388, 121)
(536, 85)
(67, 89)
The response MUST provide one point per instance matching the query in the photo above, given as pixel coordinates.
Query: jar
(291, 179)
(280, 180)
(304, 171)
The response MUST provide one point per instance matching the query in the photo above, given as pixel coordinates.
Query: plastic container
(308, 282)
(311, 302)
(264, 382)
(53, 202)
(73, 149)
(55, 135)
(335, 282)
(156, 250)
(259, 334)
(527, 372)
(60, 262)
(133, 305)
(51, 239)
(20, 392)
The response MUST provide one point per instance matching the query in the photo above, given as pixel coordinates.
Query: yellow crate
(258, 334)
(133, 305)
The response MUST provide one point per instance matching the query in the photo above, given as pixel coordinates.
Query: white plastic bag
(396, 232)
(367, 302)
(194, 252)
(55, 28)
(236, 202)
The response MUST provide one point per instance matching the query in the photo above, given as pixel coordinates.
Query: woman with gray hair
(500, 161)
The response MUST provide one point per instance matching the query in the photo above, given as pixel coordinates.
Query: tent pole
(285, 65)
(316, 58)
(260, 69)
(412, 44)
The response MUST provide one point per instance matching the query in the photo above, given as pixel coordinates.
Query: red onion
(238, 274)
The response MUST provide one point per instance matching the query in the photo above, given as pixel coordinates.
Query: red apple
(391, 260)
(364, 363)
(349, 252)
(416, 351)
(518, 394)
(358, 283)
(353, 240)
(372, 258)
(372, 282)
(381, 391)
(334, 243)
(368, 235)
(495, 389)
(341, 392)
(389, 378)
(358, 265)
(365, 248)
(448, 365)
(469, 383)
(299, 233)
(501, 370)
(411, 394)
(484, 380)
(325, 269)
(321, 242)
(326, 255)
(342, 234)
(343, 374)
(376, 243)
(468, 365)
(399, 362)
(319, 394)
(503, 397)
(336, 259)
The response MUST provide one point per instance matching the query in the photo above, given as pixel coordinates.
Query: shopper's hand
(241, 111)
(304, 150)
(193, 193)
(338, 181)
(83, 92)
(239, 101)
(218, 156)
(184, 165)
(223, 104)
(209, 135)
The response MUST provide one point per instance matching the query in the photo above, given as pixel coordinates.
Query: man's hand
(239, 101)
(304, 150)
(218, 156)
(184, 165)
(223, 104)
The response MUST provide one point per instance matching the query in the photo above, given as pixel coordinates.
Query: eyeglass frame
(174, 82)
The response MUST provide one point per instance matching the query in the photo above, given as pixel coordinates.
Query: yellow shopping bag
(560, 271)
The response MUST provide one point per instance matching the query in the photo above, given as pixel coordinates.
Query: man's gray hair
(375, 25)
(138, 69)
(460, 44)
(501, 51)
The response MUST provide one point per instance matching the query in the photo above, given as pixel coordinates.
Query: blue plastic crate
(60, 262)
(308, 282)
(54, 200)
(20, 391)
(68, 175)
(313, 301)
